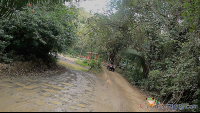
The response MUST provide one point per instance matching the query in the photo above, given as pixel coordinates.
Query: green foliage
(166, 35)
(94, 64)
(8, 7)
(191, 13)
(153, 78)
(152, 39)
(39, 33)
(83, 62)
(95, 67)
(71, 66)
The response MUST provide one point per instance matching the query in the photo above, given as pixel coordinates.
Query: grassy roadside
(95, 70)
(68, 55)
(71, 66)
(82, 63)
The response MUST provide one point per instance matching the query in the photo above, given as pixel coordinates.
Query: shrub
(35, 35)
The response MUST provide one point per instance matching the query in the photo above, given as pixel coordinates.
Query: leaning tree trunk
(145, 71)
(108, 54)
(110, 57)
(145, 68)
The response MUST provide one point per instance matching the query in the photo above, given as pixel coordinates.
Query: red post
(96, 56)
(89, 56)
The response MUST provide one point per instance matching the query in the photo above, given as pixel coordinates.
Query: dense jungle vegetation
(156, 41)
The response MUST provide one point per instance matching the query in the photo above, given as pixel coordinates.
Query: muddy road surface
(70, 91)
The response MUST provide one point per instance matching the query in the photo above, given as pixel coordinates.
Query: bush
(84, 60)
(175, 85)
(93, 64)
(35, 35)
(154, 80)
(95, 67)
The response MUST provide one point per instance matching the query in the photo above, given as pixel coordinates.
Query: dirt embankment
(32, 68)
(20, 68)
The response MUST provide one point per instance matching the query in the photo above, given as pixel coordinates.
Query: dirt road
(69, 92)
(115, 94)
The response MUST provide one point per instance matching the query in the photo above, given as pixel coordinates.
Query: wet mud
(71, 91)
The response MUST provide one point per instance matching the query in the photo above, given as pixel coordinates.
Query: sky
(97, 6)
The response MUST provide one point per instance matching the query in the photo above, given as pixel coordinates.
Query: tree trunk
(81, 50)
(108, 54)
(145, 71)
(118, 60)
(145, 68)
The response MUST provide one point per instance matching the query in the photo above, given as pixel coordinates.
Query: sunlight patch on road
(19, 84)
(81, 105)
(61, 99)
(46, 95)
(67, 97)
(83, 97)
(66, 84)
(56, 102)
(52, 86)
(48, 90)
(89, 92)
(72, 107)
(84, 94)
(5, 85)
(40, 103)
